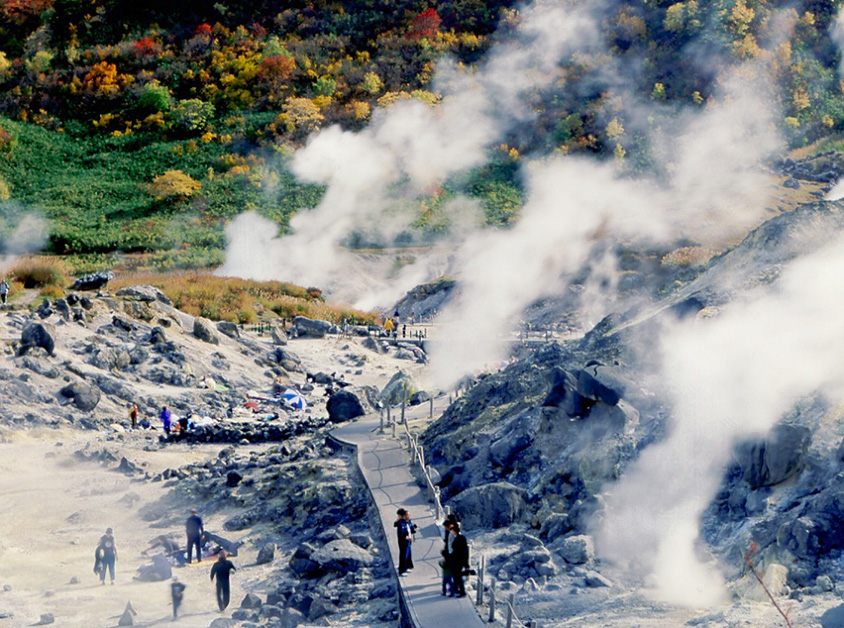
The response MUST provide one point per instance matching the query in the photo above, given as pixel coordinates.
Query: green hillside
(144, 127)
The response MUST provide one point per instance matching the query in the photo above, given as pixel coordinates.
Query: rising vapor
(731, 377)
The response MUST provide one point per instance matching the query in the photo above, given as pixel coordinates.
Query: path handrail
(419, 458)
(511, 620)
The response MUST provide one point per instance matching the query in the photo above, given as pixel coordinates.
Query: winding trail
(384, 465)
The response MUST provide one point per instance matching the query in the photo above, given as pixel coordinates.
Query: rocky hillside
(527, 455)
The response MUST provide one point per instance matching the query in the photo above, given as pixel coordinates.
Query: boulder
(266, 554)
(229, 329)
(144, 293)
(127, 618)
(292, 618)
(343, 406)
(776, 458)
(342, 556)
(833, 618)
(278, 335)
(251, 601)
(577, 550)
(38, 335)
(600, 383)
(85, 397)
(157, 336)
(302, 563)
(222, 622)
(490, 505)
(376, 345)
(420, 396)
(563, 394)
(47, 618)
(310, 327)
(399, 388)
(595, 580)
(108, 358)
(139, 310)
(204, 330)
(41, 367)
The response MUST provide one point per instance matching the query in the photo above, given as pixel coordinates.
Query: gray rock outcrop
(490, 505)
(204, 330)
(310, 327)
(38, 335)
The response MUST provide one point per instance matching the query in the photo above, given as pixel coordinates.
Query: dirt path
(53, 510)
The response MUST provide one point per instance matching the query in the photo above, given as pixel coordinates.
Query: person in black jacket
(194, 530)
(458, 559)
(222, 570)
(405, 529)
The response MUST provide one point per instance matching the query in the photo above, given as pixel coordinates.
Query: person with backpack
(107, 555)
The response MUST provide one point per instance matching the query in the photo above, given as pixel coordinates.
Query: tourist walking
(222, 570)
(177, 591)
(194, 530)
(107, 555)
(405, 529)
(4, 290)
(133, 415)
(458, 559)
(166, 416)
(448, 578)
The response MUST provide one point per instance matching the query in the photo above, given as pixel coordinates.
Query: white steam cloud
(407, 149)
(28, 235)
(715, 192)
(732, 377)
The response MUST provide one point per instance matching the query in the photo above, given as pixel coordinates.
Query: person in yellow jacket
(389, 326)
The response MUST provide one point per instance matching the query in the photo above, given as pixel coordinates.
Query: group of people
(455, 552)
(105, 557)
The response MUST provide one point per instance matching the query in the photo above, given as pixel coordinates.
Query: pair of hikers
(455, 560)
(455, 552)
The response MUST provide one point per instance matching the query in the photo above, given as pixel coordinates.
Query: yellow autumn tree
(173, 184)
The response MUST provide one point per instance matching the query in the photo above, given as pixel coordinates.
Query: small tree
(192, 114)
(426, 25)
(173, 184)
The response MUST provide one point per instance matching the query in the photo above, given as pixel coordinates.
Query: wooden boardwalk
(385, 467)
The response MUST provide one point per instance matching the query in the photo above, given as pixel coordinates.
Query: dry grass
(39, 272)
(687, 256)
(241, 300)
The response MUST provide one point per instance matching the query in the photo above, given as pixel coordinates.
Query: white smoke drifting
(28, 235)
(731, 377)
(715, 192)
(407, 149)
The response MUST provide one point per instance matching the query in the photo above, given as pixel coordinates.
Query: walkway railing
(511, 620)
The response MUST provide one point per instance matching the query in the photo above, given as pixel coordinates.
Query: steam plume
(731, 377)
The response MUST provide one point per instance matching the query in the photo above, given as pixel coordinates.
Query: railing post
(511, 602)
(381, 427)
(491, 603)
(403, 417)
(431, 408)
(479, 598)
